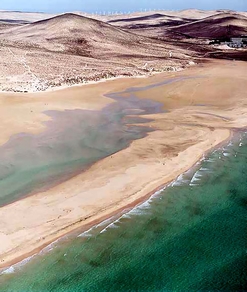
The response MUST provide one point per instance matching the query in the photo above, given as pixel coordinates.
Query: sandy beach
(202, 106)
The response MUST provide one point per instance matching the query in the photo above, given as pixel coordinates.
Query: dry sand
(202, 112)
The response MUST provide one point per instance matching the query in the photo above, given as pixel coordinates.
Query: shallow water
(72, 141)
(190, 237)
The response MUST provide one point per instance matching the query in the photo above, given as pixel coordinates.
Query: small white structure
(237, 40)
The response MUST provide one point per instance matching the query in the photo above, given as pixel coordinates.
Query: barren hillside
(216, 26)
(148, 21)
(82, 36)
(72, 49)
(190, 23)
(22, 17)
(195, 14)
(4, 25)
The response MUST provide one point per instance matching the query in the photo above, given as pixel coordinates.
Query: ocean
(191, 236)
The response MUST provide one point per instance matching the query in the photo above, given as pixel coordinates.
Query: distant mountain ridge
(216, 26)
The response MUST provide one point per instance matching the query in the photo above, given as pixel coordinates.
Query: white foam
(193, 184)
(88, 233)
(125, 216)
(210, 160)
(179, 181)
(145, 205)
(25, 261)
(10, 270)
(196, 177)
(85, 234)
(50, 246)
(13, 268)
(112, 225)
(136, 211)
(157, 193)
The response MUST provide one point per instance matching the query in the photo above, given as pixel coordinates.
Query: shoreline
(196, 122)
(82, 227)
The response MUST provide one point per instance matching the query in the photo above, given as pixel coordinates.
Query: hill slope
(148, 21)
(72, 49)
(217, 26)
(83, 36)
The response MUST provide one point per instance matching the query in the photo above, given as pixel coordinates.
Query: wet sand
(204, 106)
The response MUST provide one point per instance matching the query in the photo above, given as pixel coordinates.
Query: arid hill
(22, 17)
(195, 14)
(149, 21)
(82, 36)
(217, 26)
(4, 25)
(71, 49)
(159, 19)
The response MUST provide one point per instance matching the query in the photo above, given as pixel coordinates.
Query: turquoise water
(190, 237)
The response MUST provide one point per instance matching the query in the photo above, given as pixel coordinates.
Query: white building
(237, 40)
